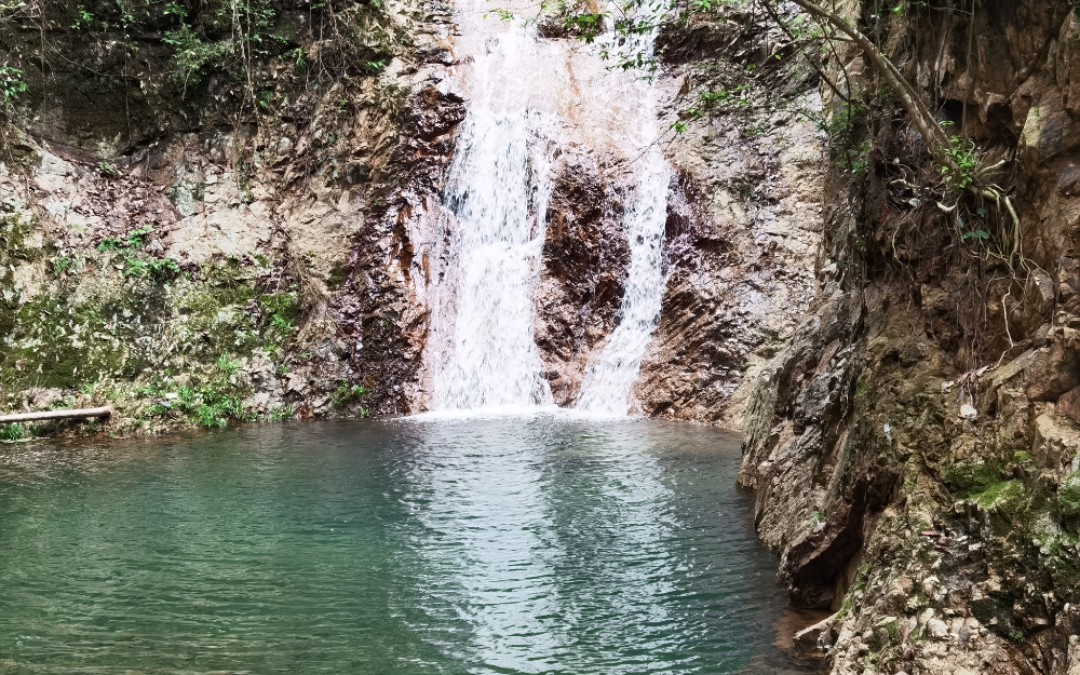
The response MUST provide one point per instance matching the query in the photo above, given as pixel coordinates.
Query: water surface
(538, 545)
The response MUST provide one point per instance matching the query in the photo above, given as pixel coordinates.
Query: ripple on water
(547, 544)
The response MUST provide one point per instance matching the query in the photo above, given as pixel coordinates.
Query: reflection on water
(537, 545)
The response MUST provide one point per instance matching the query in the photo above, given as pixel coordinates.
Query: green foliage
(858, 159)
(285, 412)
(973, 232)
(193, 57)
(299, 59)
(863, 385)
(135, 263)
(215, 409)
(579, 18)
(155, 268)
(847, 121)
(638, 60)
(984, 484)
(213, 404)
(969, 478)
(227, 37)
(109, 170)
(374, 67)
(588, 26)
(210, 406)
(282, 324)
(227, 366)
(62, 264)
(83, 18)
(164, 50)
(13, 432)
(997, 495)
(848, 145)
(1069, 496)
(502, 14)
(804, 29)
(964, 155)
(174, 9)
(716, 6)
(347, 394)
(283, 310)
(136, 239)
(12, 86)
(736, 98)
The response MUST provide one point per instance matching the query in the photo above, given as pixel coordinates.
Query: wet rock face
(380, 308)
(744, 224)
(585, 260)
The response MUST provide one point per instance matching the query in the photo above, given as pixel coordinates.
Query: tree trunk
(936, 138)
(79, 414)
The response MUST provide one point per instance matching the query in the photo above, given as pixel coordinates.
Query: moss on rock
(1069, 496)
(1000, 495)
(970, 478)
(59, 344)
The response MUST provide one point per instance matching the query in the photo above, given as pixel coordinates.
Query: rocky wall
(745, 227)
(253, 262)
(914, 450)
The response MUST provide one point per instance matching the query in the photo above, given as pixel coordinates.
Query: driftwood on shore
(77, 414)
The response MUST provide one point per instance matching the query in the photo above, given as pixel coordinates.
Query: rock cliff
(914, 448)
(207, 217)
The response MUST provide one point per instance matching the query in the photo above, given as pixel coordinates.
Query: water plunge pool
(514, 545)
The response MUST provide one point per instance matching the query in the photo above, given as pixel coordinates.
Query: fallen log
(77, 414)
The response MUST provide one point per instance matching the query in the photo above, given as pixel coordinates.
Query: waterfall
(498, 190)
(497, 194)
(610, 376)
(529, 97)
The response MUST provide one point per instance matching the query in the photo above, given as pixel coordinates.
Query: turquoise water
(536, 545)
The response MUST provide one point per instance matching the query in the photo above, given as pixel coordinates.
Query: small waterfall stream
(529, 97)
(610, 377)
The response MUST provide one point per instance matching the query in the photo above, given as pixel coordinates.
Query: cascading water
(497, 194)
(528, 97)
(610, 377)
(498, 185)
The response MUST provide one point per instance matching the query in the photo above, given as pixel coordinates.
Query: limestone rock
(937, 628)
(1069, 404)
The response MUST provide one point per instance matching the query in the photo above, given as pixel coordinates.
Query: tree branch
(936, 138)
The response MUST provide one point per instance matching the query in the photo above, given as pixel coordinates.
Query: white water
(611, 374)
(527, 97)
(499, 183)
(498, 191)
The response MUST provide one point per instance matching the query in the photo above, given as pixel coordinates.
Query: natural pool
(514, 545)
